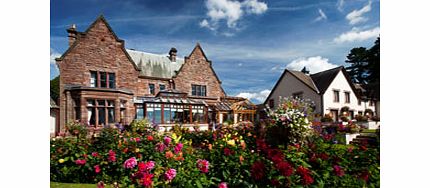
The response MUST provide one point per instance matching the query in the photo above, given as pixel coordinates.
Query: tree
(55, 88)
(365, 64)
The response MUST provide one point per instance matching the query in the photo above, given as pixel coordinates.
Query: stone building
(103, 83)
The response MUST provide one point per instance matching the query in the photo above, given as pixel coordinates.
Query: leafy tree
(55, 88)
(365, 64)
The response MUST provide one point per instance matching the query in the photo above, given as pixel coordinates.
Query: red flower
(305, 174)
(307, 180)
(150, 138)
(112, 156)
(275, 155)
(95, 154)
(338, 170)
(285, 168)
(258, 170)
(146, 180)
(261, 145)
(80, 161)
(97, 169)
(364, 175)
(275, 183)
(228, 151)
(203, 165)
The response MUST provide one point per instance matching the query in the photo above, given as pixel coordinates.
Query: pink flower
(170, 174)
(137, 139)
(130, 163)
(95, 154)
(167, 140)
(97, 169)
(160, 147)
(203, 165)
(112, 156)
(80, 162)
(178, 147)
(146, 166)
(338, 170)
(222, 185)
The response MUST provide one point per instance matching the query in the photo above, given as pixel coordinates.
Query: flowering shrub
(74, 128)
(228, 157)
(290, 122)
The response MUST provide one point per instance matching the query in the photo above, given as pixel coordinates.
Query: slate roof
(155, 65)
(305, 79)
(323, 79)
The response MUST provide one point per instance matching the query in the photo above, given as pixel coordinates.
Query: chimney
(73, 34)
(172, 54)
(305, 71)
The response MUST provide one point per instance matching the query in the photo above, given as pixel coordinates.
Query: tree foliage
(364, 64)
(55, 88)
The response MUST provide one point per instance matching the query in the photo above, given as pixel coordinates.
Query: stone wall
(198, 70)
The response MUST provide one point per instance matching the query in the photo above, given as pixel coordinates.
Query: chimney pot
(172, 54)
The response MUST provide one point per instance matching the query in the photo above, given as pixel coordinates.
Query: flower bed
(229, 157)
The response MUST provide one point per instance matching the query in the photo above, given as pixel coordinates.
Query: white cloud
(254, 7)
(356, 16)
(312, 64)
(258, 96)
(339, 5)
(53, 54)
(356, 35)
(205, 23)
(240, 64)
(322, 16)
(230, 11)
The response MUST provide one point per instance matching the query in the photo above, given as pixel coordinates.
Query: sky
(250, 42)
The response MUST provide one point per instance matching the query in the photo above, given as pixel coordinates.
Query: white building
(330, 90)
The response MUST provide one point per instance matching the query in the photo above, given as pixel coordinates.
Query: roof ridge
(339, 67)
(150, 53)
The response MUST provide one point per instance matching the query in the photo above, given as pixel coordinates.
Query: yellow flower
(231, 143)
(137, 150)
(61, 161)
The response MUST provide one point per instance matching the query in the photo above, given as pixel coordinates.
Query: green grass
(72, 185)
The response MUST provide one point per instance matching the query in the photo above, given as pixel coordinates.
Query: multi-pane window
(347, 99)
(198, 90)
(111, 80)
(336, 96)
(152, 89)
(162, 87)
(100, 112)
(359, 102)
(102, 79)
(94, 80)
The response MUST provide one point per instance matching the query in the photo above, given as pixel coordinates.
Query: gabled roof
(323, 79)
(305, 79)
(82, 34)
(318, 82)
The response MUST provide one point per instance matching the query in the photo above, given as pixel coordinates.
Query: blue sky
(250, 42)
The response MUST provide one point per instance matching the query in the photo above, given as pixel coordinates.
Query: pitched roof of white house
(318, 82)
(155, 65)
